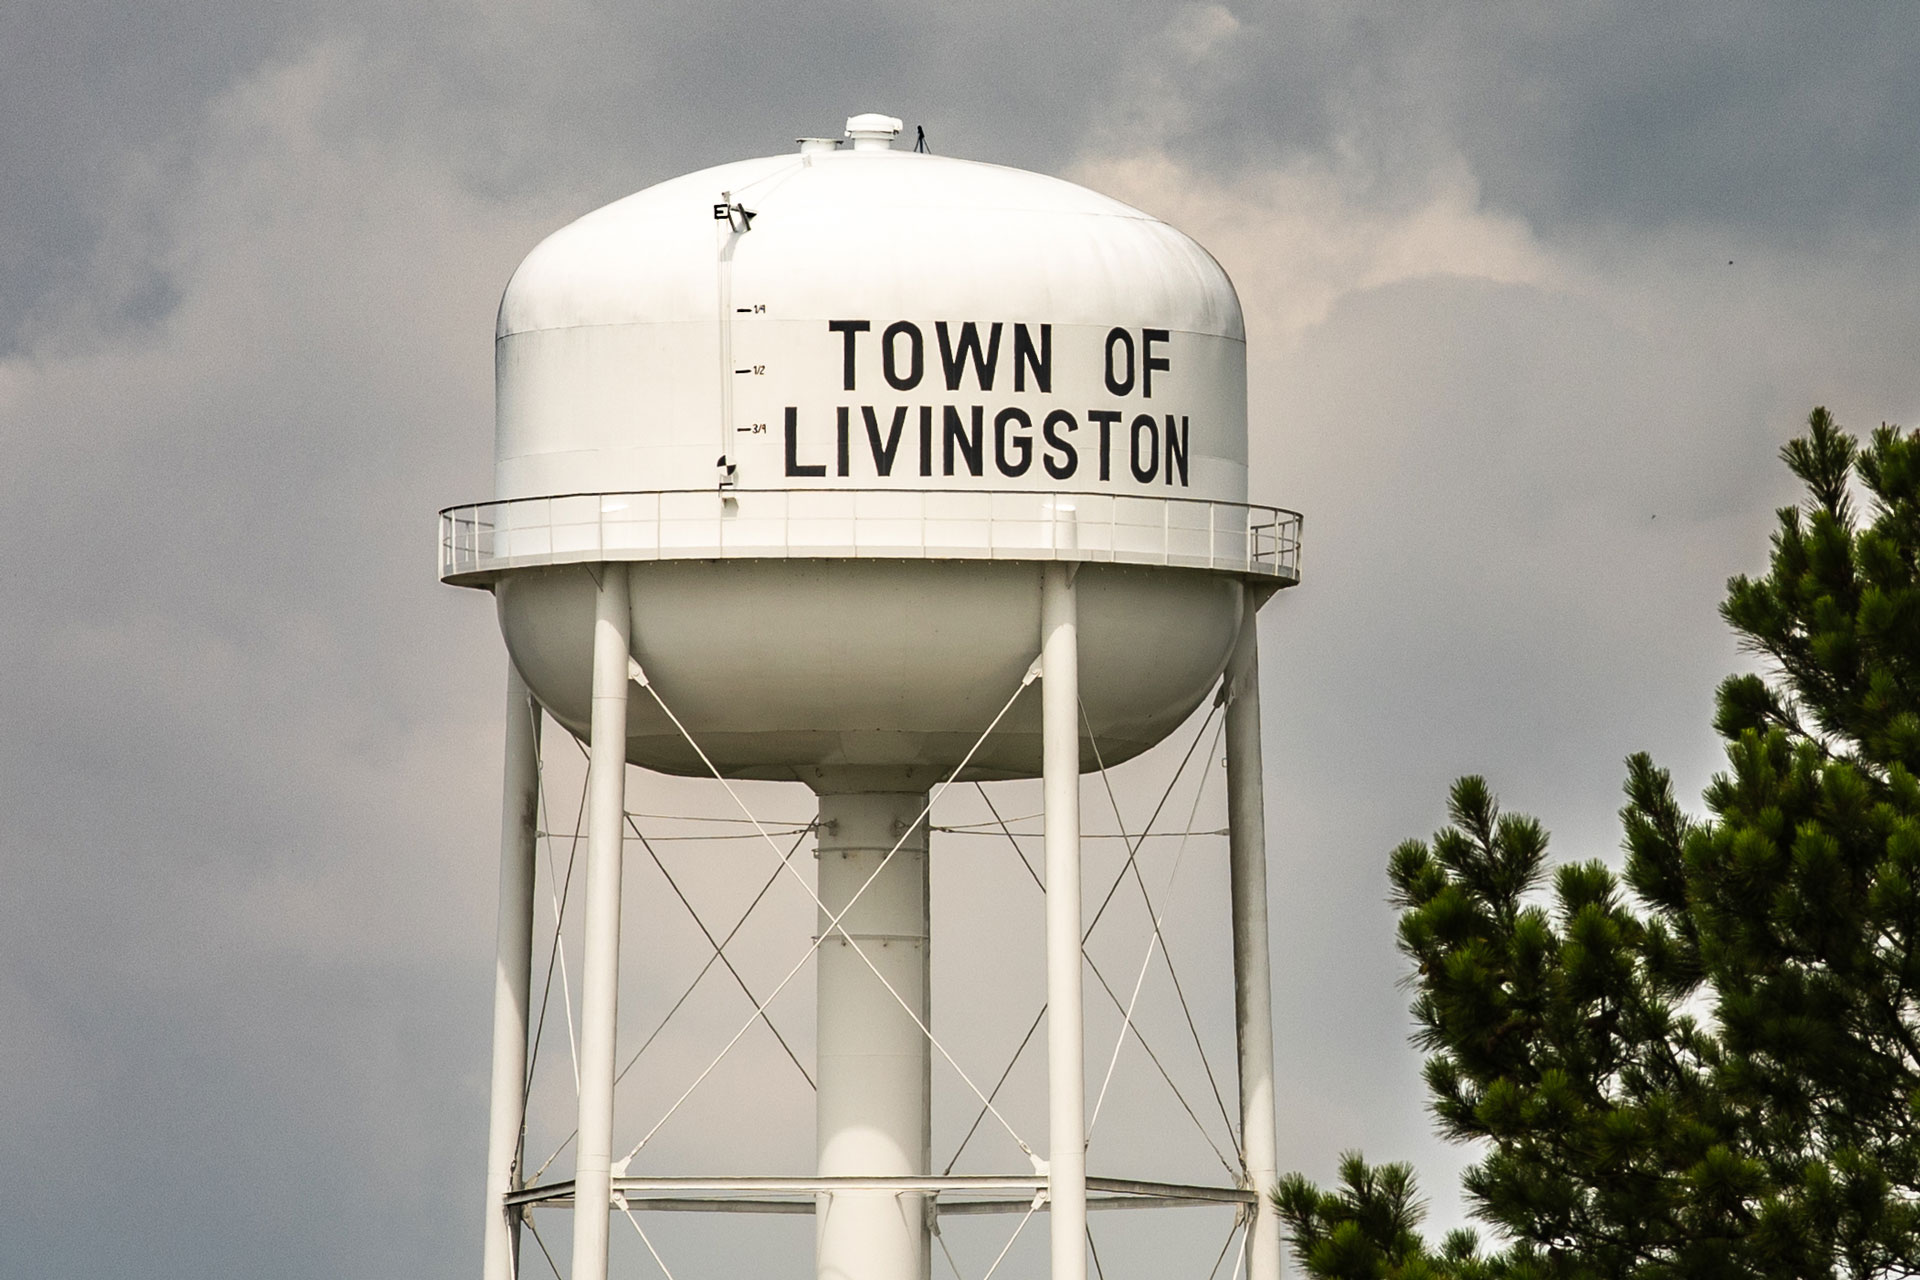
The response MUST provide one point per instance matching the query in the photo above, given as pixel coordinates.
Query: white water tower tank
(813, 438)
(900, 361)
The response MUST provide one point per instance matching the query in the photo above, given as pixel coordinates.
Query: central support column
(874, 1064)
(1066, 1031)
(600, 972)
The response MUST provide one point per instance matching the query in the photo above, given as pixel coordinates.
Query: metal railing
(982, 1193)
(479, 541)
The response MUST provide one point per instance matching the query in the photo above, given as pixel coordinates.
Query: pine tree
(1624, 1137)
(1368, 1229)
(1803, 892)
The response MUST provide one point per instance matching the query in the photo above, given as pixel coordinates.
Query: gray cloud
(1500, 359)
(1797, 122)
(1630, 113)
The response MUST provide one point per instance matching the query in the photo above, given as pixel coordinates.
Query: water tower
(874, 470)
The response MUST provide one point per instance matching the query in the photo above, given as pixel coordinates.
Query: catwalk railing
(481, 540)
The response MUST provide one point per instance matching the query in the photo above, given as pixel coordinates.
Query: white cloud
(1298, 238)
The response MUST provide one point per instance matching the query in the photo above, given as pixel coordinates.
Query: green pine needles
(1713, 1069)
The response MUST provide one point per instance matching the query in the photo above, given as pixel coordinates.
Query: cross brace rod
(722, 1195)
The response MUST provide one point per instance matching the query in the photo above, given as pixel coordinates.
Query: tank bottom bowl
(818, 670)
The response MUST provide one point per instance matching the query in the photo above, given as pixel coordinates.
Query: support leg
(1066, 1069)
(1252, 976)
(874, 1062)
(600, 977)
(513, 962)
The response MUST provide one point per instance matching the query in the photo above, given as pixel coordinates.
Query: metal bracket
(736, 215)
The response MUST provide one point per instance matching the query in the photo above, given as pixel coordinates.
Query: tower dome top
(928, 231)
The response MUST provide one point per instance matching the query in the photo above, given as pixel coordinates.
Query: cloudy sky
(1534, 293)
